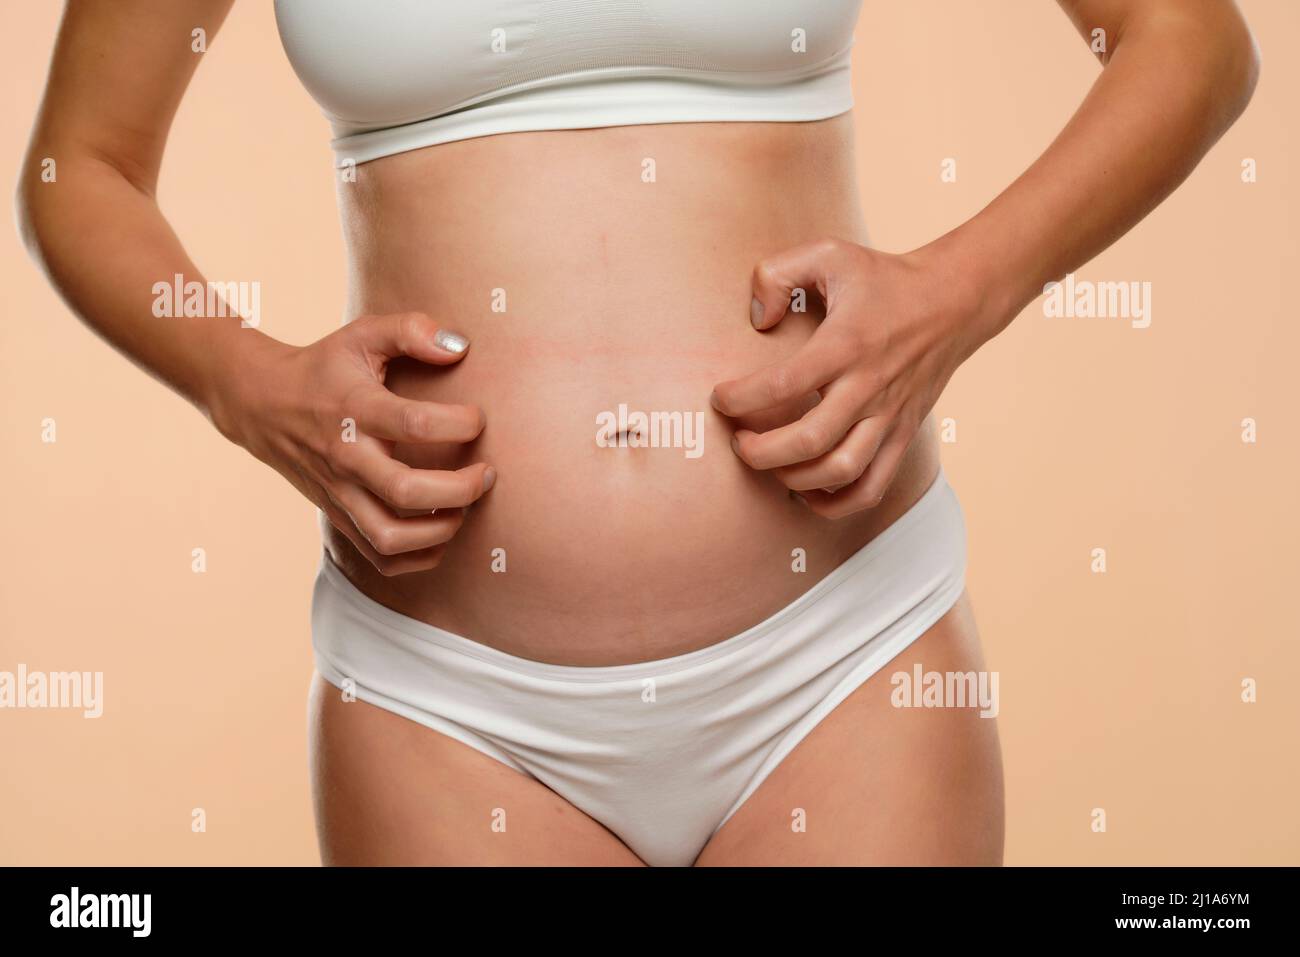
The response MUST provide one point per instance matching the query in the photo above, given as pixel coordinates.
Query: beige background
(1119, 691)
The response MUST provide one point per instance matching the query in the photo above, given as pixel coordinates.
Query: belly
(603, 279)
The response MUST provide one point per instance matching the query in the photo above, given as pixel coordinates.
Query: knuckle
(843, 467)
(416, 421)
(332, 416)
(340, 458)
(812, 440)
(406, 326)
(399, 490)
(414, 325)
(384, 540)
(781, 384)
(829, 246)
(765, 273)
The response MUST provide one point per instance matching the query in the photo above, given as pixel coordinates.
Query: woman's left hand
(896, 328)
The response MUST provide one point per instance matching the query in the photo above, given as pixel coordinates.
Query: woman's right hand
(321, 416)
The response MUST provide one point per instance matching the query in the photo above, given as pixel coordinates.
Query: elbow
(24, 212)
(29, 208)
(1235, 67)
(1251, 61)
(46, 207)
(1238, 74)
(1218, 57)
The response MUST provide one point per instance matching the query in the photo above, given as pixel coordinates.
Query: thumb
(410, 334)
(789, 274)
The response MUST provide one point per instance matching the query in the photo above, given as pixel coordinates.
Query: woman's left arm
(1177, 73)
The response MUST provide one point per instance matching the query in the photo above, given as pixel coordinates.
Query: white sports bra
(397, 75)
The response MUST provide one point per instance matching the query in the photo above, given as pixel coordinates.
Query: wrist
(978, 288)
(238, 363)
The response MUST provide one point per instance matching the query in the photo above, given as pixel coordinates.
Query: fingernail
(489, 477)
(799, 498)
(449, 341)
(756, 313)
(713, 400)
(735, 445)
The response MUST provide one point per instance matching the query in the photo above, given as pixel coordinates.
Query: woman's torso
(616, 291)
(594, 270)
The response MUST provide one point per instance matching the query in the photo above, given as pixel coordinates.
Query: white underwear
(661, 753)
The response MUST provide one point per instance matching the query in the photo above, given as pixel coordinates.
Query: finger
(841, 466)
(389, 534)
(818, 361)
(380, 413)
(813, 435)
(868, 490)
(408, 562)
(387, 565)
(777, 277)
(409, 334)
(884, 466)
(402, 486)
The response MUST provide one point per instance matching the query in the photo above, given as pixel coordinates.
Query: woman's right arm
(87, 213)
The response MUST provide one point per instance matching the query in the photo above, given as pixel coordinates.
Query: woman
(632, 493)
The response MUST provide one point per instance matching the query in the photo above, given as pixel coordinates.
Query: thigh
(879, 784)
(389, 791)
